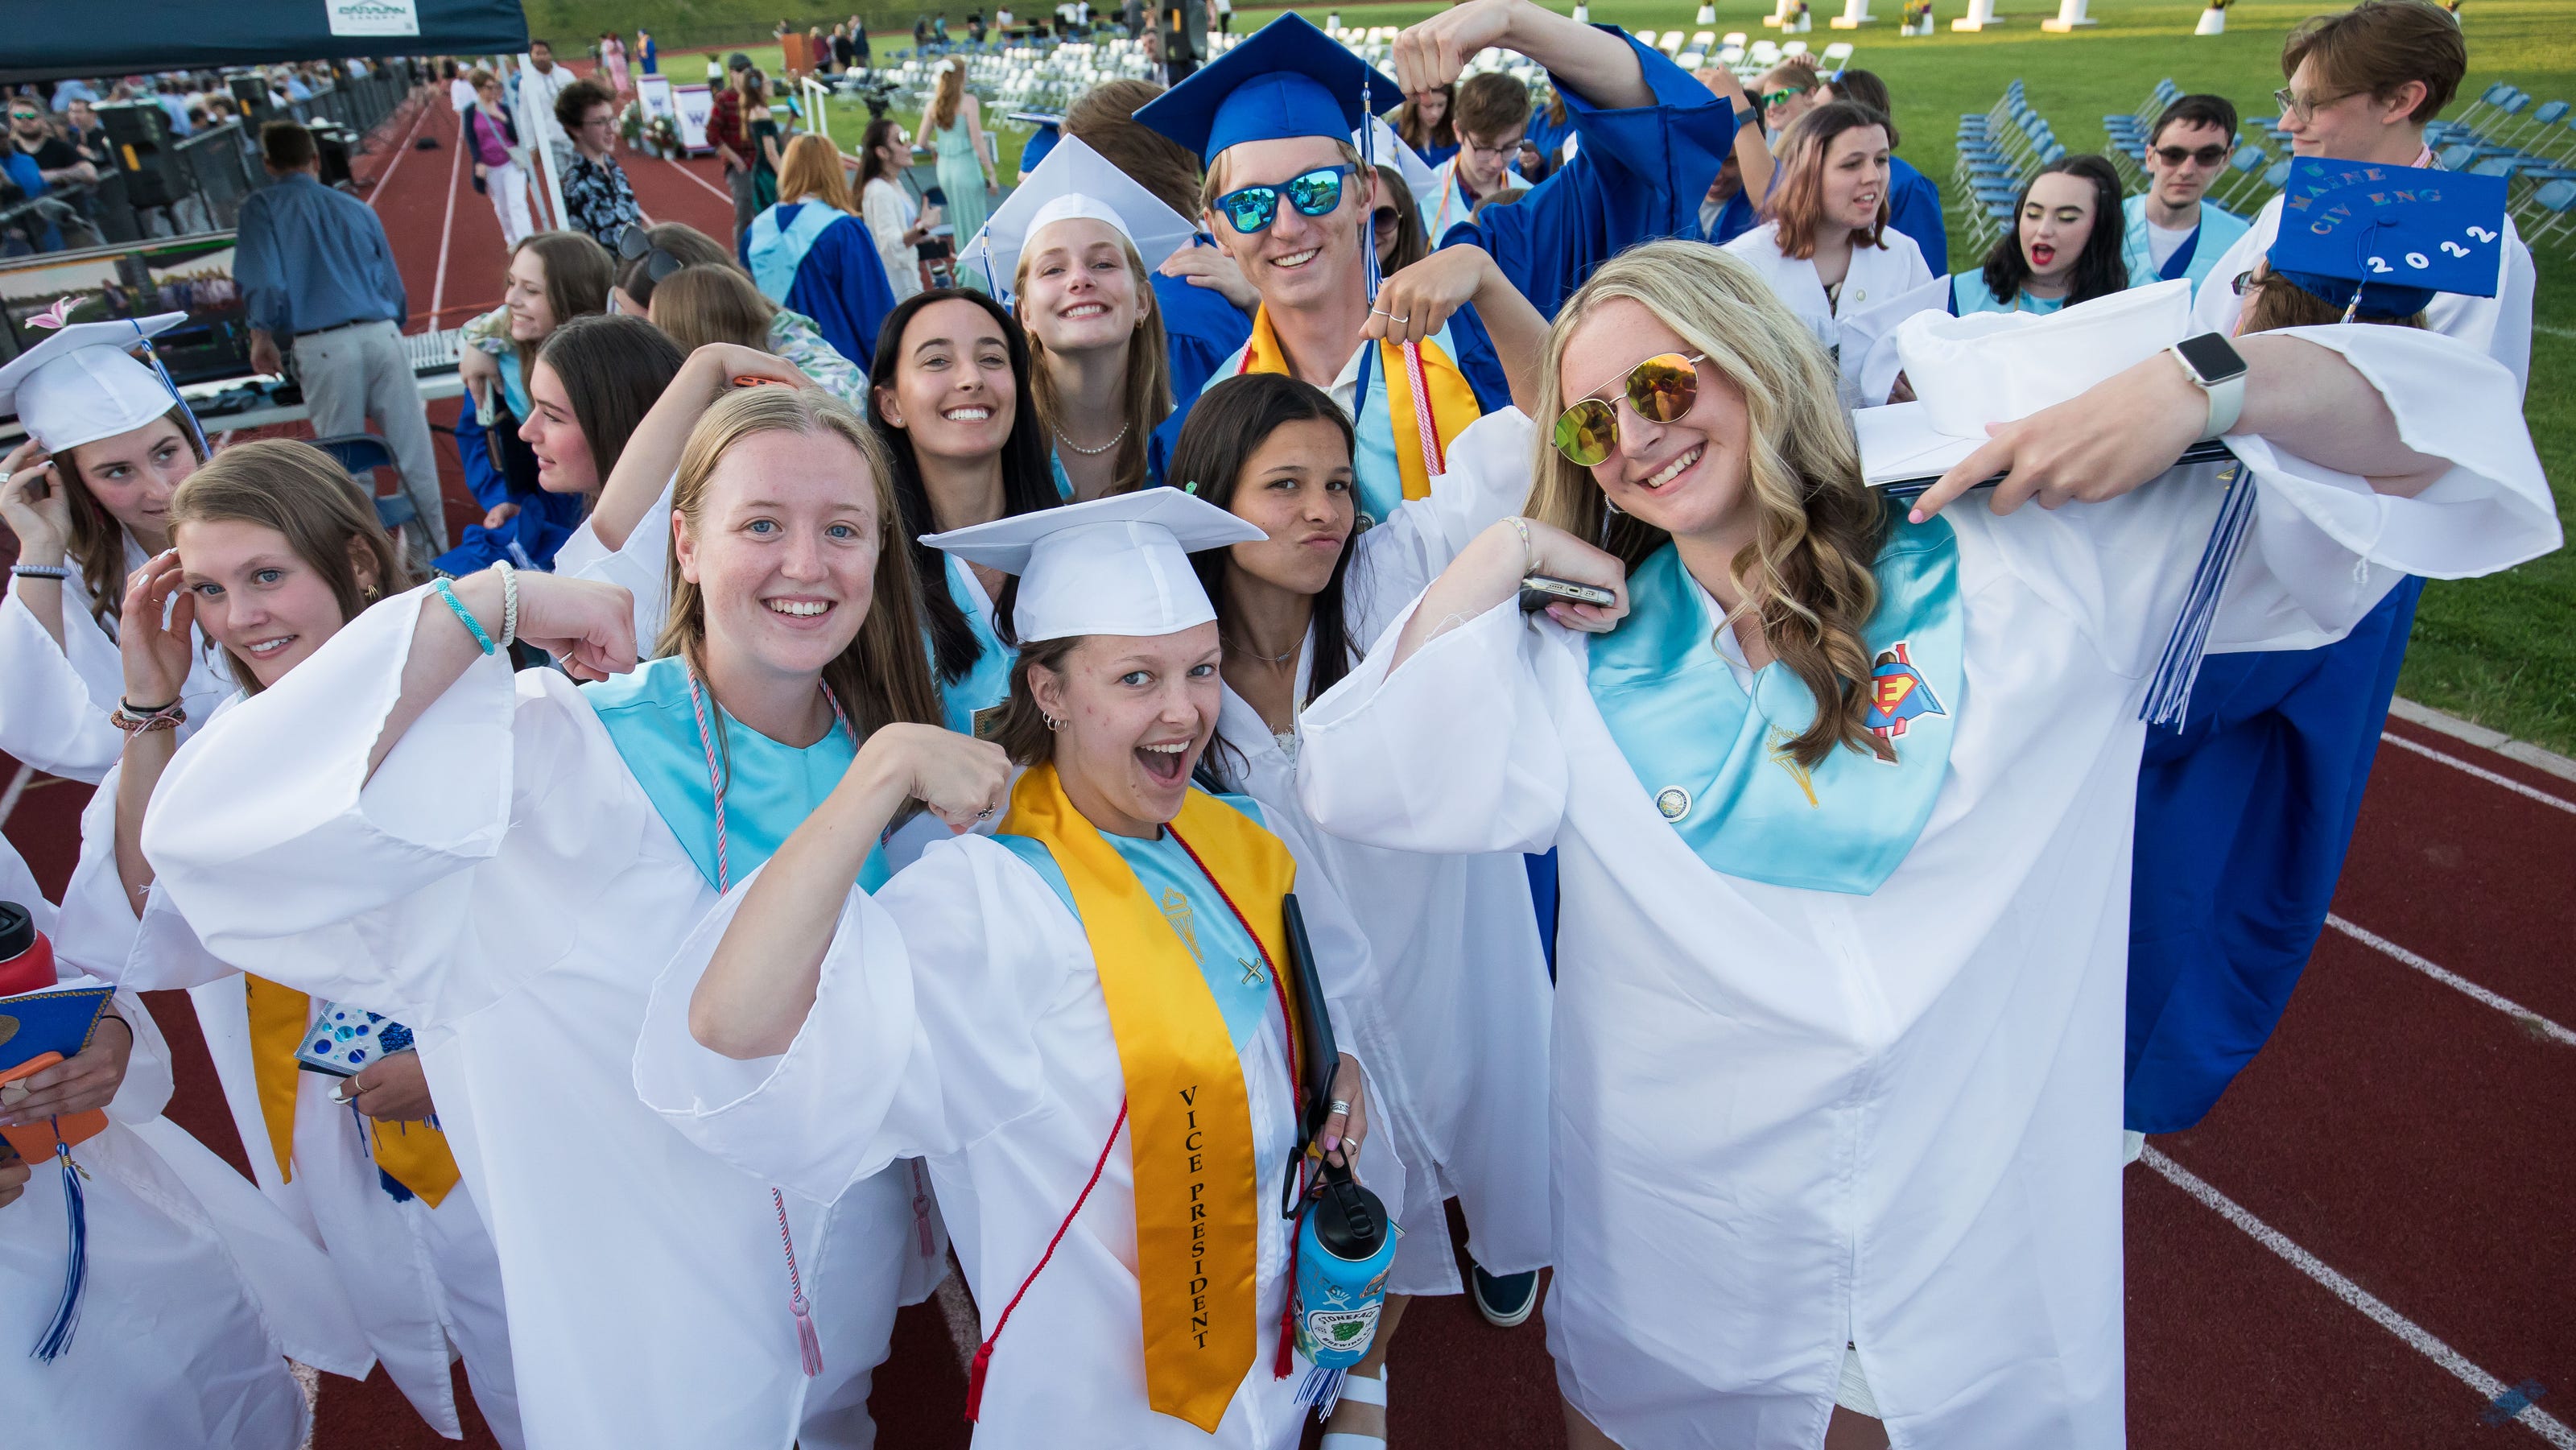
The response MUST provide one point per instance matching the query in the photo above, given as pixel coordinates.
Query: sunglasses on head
(2206, 155)
(1252, 209)
(1661, 389)
(635, 244)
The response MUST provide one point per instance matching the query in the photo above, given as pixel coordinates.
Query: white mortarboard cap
(1391, 151)
(80, 385)
(1074, 181)
(1997, 367)
(1118, 565)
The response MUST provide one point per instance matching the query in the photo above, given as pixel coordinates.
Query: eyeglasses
(2205, 156)
(1315, 193)
(1775, 98)
(2304, 110)
(2246, 282)
(1470, 143)
(635, 244)
(1661, 389)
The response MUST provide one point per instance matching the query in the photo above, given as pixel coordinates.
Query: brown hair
(1488, 105)
(1854, 84)
(574, 102)
(1104, 119)
(304, 494)
(700, 305)
(286, 146)
(1412, 244)
(882, 678)
(1797, 201)
(881, 132)
(613, 370)
(577, 276)
(479, 78)
(1422, 135)
(811, 171)
(680, 242)
(1807, 575)
(947, 100)
(2380, 45)
(1022, 729)
(97, 542)
(1146, 379)
(2280, 302)
(1797, 73)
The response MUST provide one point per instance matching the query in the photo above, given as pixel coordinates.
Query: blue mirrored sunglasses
(1253, 208)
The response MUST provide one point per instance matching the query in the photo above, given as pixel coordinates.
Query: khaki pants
(356, 375)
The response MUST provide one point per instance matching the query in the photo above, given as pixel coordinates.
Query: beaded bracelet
(466, 615)
(40, 571)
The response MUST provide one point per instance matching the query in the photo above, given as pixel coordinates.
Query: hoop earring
(1052, 723)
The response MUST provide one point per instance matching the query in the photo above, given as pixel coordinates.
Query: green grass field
(2500, 651)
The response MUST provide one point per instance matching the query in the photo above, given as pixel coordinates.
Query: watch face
(2212, 356)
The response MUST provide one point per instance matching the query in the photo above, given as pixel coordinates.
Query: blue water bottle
(1345, 1244)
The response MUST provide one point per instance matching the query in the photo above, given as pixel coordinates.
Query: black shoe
(1504, 1299)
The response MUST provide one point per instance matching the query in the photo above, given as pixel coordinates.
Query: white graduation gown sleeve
(53, 713)
(1488, 480)
(642, 566)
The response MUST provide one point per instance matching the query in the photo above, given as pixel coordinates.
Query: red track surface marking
(721, 193)
(423, 107)
(2481, 772)
(2453, 980)
(2415, 1336)
(447, 226)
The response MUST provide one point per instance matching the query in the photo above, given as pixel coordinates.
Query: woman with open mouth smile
(2061, 250)
(1843, 796)
(1090, 1025)
(519, 853)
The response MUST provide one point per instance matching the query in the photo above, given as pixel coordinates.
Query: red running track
(2408, 1141)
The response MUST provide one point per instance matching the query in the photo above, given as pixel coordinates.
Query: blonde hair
(811, 171)
(1806, 576)
(712, 303)
(882, 677)
(302, 493)
(1146, 378)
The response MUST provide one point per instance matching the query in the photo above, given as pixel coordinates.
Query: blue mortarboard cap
(2398, 233)
(1286, 79)
(1035, 149)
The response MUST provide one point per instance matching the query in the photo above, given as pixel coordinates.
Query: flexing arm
(761, 981)
(647, 462)
(1598, 65)
(1426, 293)
(588, 625)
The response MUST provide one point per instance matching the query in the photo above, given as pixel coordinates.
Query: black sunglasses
(635, 244)
(2206, 155)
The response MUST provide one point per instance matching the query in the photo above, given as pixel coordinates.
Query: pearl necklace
(1095, 452)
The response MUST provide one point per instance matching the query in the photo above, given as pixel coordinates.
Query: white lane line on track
(2481, 772)
(17, 788)
(720, 193)
(2453, 980)
(2417, 1338)
(378, 189)
(958, 1308)
(447, 228)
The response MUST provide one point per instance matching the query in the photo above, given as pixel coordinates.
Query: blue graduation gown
(838, 278)
(1738, 218)
(1914, 208)
(1639, 174)
(1201, 329)
(2243, 819)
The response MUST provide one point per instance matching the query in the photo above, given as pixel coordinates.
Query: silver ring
(1338, 1106)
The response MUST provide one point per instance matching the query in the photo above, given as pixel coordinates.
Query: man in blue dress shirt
(317, 275)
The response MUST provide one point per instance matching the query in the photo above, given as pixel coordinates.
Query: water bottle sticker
(1332, 1329)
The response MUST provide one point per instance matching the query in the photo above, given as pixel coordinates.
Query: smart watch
(2214, 364)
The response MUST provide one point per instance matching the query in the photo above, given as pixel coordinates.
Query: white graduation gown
(960, 1019)
(422, 1283)
(504, 886)
(173, 1346)
(54, 707)
(1786, 1118)
(1876, 275)
(2499, 326)
(1455, 1031)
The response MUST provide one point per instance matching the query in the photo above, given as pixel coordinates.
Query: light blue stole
(1063, 480)
(988, 684)
(1969, 293)
(514, 386)
(1715, 759)
(780, 238)
(770, 788)
(1227, 955)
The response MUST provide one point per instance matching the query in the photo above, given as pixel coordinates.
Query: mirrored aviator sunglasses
(1661, 389)
(1314, 193)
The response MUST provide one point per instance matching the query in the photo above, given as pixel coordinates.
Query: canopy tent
(47, 42)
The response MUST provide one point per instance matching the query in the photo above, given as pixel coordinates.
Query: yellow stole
(1453, 402)
(1198, 1201)
(414, 1155)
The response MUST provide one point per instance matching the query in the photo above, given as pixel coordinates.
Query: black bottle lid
(17, 931)
(1350, 1221)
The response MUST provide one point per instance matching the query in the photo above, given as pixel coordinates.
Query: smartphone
(1538, 591)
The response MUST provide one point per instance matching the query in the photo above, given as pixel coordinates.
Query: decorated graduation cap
(2380, 241)
(1073, 182)
(1050, 130)
(1285, 80)
(81, 385)
(1118, 565)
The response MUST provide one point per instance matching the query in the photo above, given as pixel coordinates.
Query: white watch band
(2226, 396)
